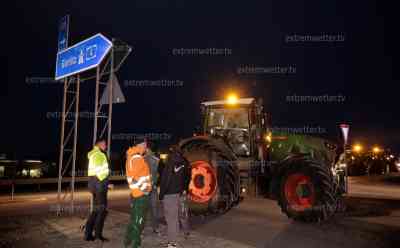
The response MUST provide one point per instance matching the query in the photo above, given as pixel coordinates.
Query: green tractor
(237, 152)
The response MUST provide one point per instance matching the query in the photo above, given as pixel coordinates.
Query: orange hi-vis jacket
(137, 173)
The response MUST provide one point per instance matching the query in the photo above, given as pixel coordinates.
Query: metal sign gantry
(70, 108)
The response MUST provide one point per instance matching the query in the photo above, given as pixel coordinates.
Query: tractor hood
(317, 148)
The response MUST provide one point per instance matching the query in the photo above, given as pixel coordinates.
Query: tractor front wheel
(214, 187)
(308, 191)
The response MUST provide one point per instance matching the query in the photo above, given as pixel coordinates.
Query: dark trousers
(155, 208)
(99, 212)
(176, 215)
(136, 222)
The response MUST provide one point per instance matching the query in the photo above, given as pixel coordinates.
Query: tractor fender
(201, 141)
(193, 141)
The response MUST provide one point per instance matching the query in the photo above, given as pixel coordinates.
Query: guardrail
(39, 181)
(64, 180)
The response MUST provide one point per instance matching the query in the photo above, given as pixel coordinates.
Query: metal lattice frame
(69, 126)
(101, 122)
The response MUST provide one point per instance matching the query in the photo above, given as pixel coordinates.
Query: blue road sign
(82, 56)
(63, 31)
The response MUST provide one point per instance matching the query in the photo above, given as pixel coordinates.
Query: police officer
(98, 173)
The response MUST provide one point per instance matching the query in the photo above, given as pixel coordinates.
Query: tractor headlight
(268, 138)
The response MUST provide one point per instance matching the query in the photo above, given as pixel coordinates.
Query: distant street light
(376, 149)
(357, 148)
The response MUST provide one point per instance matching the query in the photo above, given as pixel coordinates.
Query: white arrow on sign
(345, 130)
(118, 96)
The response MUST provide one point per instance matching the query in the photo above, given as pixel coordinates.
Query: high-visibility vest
(98, 164)
(138, 175)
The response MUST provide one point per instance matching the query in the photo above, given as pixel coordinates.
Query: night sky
(361, 68)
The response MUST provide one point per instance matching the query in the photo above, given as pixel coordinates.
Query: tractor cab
(239, 121)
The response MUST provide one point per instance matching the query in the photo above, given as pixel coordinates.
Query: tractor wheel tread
(326, 199)
(227, 194)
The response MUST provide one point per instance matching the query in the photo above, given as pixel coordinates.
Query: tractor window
(233, 125)
(228, 118)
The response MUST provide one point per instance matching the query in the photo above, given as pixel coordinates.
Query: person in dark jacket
(153, 162)
(174, 184)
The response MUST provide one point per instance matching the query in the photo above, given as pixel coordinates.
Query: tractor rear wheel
(308, 191)
(215, 186)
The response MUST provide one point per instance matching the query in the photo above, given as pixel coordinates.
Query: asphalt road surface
(372, 218)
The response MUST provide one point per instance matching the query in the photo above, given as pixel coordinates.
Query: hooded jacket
(175, 176)
(137, 172)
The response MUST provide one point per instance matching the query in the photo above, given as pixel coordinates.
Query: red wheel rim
(203, 185)
(299, 192)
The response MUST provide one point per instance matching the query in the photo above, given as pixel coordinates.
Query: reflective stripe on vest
(140, 184)
(100, 171)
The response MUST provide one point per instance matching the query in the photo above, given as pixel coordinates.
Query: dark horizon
(361, 67)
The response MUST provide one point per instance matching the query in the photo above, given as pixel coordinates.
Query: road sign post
(63, 39)
(345, 131)
(63, 33)
(75, 141)
(12, 191)
(110, 98)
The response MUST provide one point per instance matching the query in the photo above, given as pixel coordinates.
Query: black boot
(89, 238)
(103, 239)
(99, 226)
